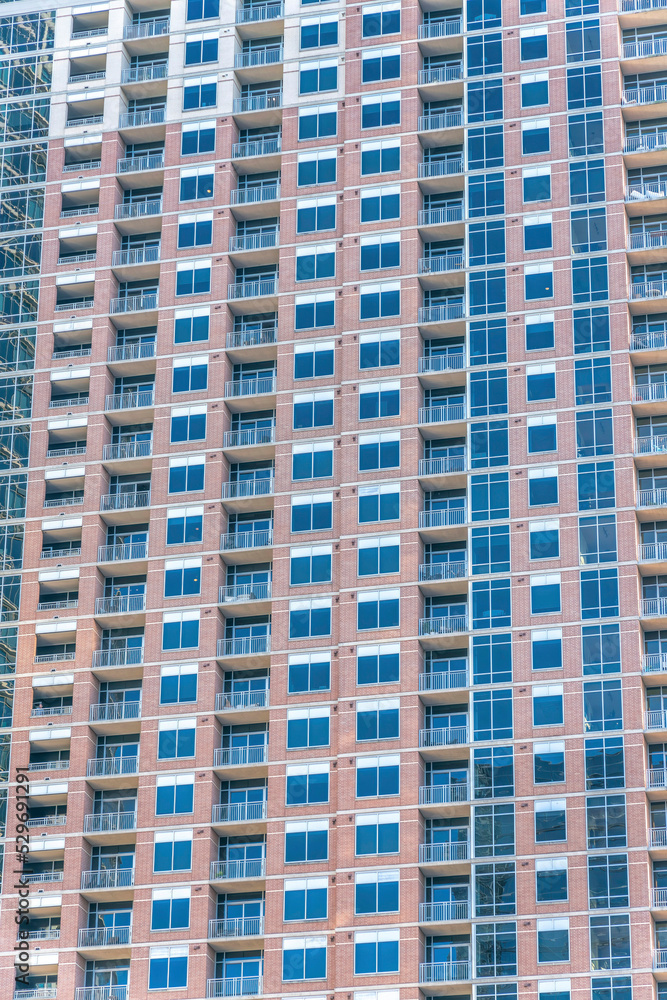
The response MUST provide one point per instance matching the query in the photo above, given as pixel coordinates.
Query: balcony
(252, 337)
(651, 295)
(235, 540)
(132, 258)
(123, 553)
(251, 438)
(251, 987)
(53, 657)
(237, 870)
(638, 193)
(136, 164)
(446, 414)
(654, 607)
(124, 501)
(444, 680)
(74, 304)
(258, 645)
(247, 493)
(660, 958)
(440, 74)
(259, 109)
(110, 878)
(120, 353)
(132, 607)
(133, 304)
(146, 29)
(646, 149)
(63, 553)
(434, 470)
(442, 577)
(89, 33)
(144, 119)
(432, 795)
(258, 57)
(39, 713)
(259, 12)
(130, 400)
(448, 518)
(104, 937)
(240, 756)
(653, 552)
(647, 245)
(448, 215)
(138, 210)
(434, 270)
(636, 98)
(238, 812)
(654, 663)
(255, 195)
(40, 993)
(442, 128)
(442, 913)
(440, 29)
(250, 386)
(88, 120)
(125, 450)
(255, 241)
(53, 876)
(101, 993)
(658, 837)
(247, 593)
(115, 711)
(443, 972)
(235, 927)
(457, 850)
(651, 345)
(655, 719)
(78, 258)
(443, 736)
(109, 822)
(235, 701)
(252, 290)
(641, 6)
(112, 767)
(654, 445)
(55, 819)
(438, 317)
(436, 170)
(258, 147)
(103, 658)
(144, 74)
(432, 628)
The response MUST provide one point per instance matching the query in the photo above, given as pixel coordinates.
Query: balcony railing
(53, 657)
(118, 657)
(57, 605)
(52, 876)
(131, 352)
(646, 190)
(142, 255)
(441, 74)
(647, 290)
(119, 553)
(654, 445)
(652, 551)
(69, 168)
(104, 937)
(130, 400)
(442, 414)
(74, 304)
(648, 341)
(239, 592)
(109, 822)
(234, 927)
(239, 812)
(443, 680)
(246, 987)
(49, 765)
(60, 402)
(443, 736)
(40, 993)
(252, 337)
(72, 213)
(444, 313)
(252, 289)
(131, 164)
(110, 878)
(112, 767)
(633, 6)
(655, 719)
(645, 143)
(101, 993)
(648, 239)
(443, 626)
(431, 795)
(138, 209)
(240, 756)
(659, 899)
(653, 392)
(120, 605)
(442, 466)
(255, 241)
(133, 303)
(78, 258)
(446, 119)
(63, 553)
(645, 95)
(146, 29)
(256, 645)
(260, 102)
(253, 868)
(441, 363)
(127, 449)
(442, 518)
(656, 777)
(125, 501)
(654, 607)
(441, 912)
(247, 488)
(456, 850)
(48, 934)
(660, 958)
(440, 29)
(255, 195)
(234, 540)
(41, 711)
(658, 836)
(440, 216)
(89, 33)
(258, 57)
(250, 386)
(142, 74)
(654, 663)
(440, 265)
(89, 120)
(443, 972)
(453, 569)
(439, 168)
(259, 12)
(115, 711)
(248, 438)
(235, 700)
(55, 819)
(259, 147)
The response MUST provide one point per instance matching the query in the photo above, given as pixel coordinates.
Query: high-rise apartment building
(333, 496)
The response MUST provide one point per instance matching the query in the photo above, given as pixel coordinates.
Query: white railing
(660, 958)
(443, 736)
(446, 119)
(656, 777)
(127, 605)
(654, 607)
(443, 680)
(441, 74)
(440, 265)
(443, 626)
(142, 74)
(118, 657)
(452, 850)
(235, 540)
(246, 488)
(136, 119)
(109, 822)
(110, 767)
(440, 216)
(251, 337)
(127, 449)
(125, 501)
(656, 444)
(652, 551)
(110, 878)
(129, 400)
(255, 195)
(142, 255)
(647, 190)
(130, 164)
(133, 303)
(252, 289)
(645, 95)
(103, 937)
(232, 870)
(259, 12)
(441, 912)
(254, 241)
(251, 986)
(441, 363)
(146, 29)
(658, 836)
(250, 386)
(442, 466)
(659, 899)
(138, 209)
(441, 414)
(453, 569)
(645, 143)
(247, 438)
(54, 709)
(259, 147)
(443, 313)
(259, 102)
(255, 645)
(443, 972)
(654, 663)
(258, 57)
(633, 6)
(234, 927)
(431, 795)
(649, 341)
(440, 29)
(240, 756)
(120, 553)
(648, 393)
(442, 518)
(239, 812)
(115, 711)
(647, 239)
(655, 719)
(439, 168)
(238, 700)
(240, 592)
(101, 993)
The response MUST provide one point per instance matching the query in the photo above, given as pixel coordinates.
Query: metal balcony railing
(258, 147)
(442, 466)
(40, 712)
(252, 337)
(111, 767)
(71, 213)
(142, 255)
(238, 812)
(66, 452)
(430, 913)
(129, 400)
(655, 719)
(446, 119)
(109, 878)
(654, 445)
(127, 449)
(443, 972)
(259, 102)
(87, 77)
(658, 836)
(133, 303)
(440, 29)
(633, 6)
(40, 993)
(125, 501)
(142, 74)
(244, 592)
(74, 304)
(652, 551)
(101, 993)
(431, 795)
(648, 239)
(138, 209)
(648, 341)
(52, 876)
(453, 569)
(233, 927)
(443, 736)
(660, 958)
(83, 165)
(654, 663)
(120, 605)
(443, 680)
(440, 265)
(246, 488)
(254, 868)
(441, 74)
(646, 190)
(255, 195)
(109, 822)
(654, 607)
(234, 540)
(118, 657)
(444, 313)
(247, 987)
(439, 168)
(78, 258)
(645, 143)
(250, 387)
(115, 711)
(656, 777)
(256, 645)
(63, 553)
(252, 289)
(49, 765)
(442, 518)
(259, 12)
(60, 402)
(49, 934)
(645, 95)
(659, 898)
(235, 700)
(441, 363)
(53, 657)
(240, 756)
(131, 164)
(653, 392)
(443, 626)
(248, 438)
(457, 850)
(55, 819)
(647, 290)
(131, 352)
(146, 29)
(76, 352)
(442, 414)
(652, 498)
(103, 937)
(255, 241)
(119, 553)
(89, 33)
(258, 57)
(89, 120)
